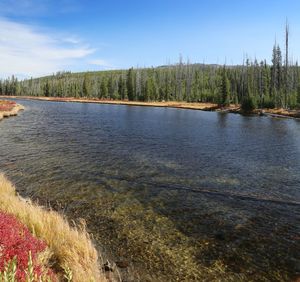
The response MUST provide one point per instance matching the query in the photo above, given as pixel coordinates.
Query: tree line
(263, 85)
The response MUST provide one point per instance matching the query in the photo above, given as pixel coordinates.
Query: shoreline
(70, 248)
(170, 104)
(11, 112)
(236, 109)
(80, 258)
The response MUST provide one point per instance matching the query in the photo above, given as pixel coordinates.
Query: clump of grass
(10, 271)
(71, 248)
(9, 108)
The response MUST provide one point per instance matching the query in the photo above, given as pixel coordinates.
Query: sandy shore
(172, 104)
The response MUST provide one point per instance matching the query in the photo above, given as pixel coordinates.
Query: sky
(41, 37)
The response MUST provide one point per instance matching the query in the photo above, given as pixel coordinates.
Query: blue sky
(39, 37)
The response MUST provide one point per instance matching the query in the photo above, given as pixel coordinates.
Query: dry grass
(164, 104)
(283, 112)
(13, 112)
(72, 248)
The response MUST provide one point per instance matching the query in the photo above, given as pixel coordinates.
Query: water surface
(175, 194)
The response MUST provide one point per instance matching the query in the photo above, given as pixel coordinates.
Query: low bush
(20, 252)
(248, 104)
(69, 248)
(268, 104)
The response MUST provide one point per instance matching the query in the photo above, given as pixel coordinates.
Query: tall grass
(71, 248)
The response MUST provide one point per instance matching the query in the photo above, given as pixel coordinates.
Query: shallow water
(175, 194)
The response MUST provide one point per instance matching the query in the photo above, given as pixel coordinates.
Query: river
(169, 194)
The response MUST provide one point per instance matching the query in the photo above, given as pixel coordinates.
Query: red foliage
(17, 241)
(7, 105)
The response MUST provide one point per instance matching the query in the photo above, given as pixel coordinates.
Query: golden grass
(71, 248)
(12, 112)
(164, 104)
(283, 112)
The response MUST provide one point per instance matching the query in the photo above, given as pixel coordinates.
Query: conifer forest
(266, 85)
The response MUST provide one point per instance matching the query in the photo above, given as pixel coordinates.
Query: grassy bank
(232, 108)
(9, 108)
(71, 249)
(169, 104)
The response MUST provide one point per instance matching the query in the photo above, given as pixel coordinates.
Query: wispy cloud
(101, 63)
(27, 51)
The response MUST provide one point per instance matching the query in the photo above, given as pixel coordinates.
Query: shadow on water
(171, 194)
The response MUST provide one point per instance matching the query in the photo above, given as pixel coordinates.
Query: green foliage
(224, 88)
(268, 103)
(30, 270)
(86, 90)
(9, 272)
(68, 274)
(47, 89)
(267, 84)
(129, 84)
(248, 104)
(103, 89)
(298, 94)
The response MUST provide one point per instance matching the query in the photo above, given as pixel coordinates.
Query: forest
(254, 82)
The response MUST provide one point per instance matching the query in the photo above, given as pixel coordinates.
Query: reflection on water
(175, 194)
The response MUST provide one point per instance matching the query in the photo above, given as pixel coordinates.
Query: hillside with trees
(263, 85)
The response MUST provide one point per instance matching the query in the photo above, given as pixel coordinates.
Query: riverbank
(70, 251)
(279, 112)
(9, 108)
(170, 104)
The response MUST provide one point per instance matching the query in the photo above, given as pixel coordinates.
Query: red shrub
(6, 107)
(17, 241)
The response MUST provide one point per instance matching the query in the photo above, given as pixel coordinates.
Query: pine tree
(86, 86)
(122, 88)
(225, 88)
(129, 85)
(103, 89)
(111, 87)
(47, 89)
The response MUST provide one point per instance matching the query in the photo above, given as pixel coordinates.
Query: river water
(168, 194)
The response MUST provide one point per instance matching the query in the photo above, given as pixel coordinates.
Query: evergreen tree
(103, 89)
(111, 87)
(122, 88)
(86, 90)
(129, 85)
(47, 89)
(224, 88)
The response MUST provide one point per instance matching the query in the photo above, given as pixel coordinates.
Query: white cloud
(72, 40)
(100, 63)
(27, 51)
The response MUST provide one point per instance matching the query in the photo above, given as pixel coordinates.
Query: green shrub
(248, 104)
(268, 103)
